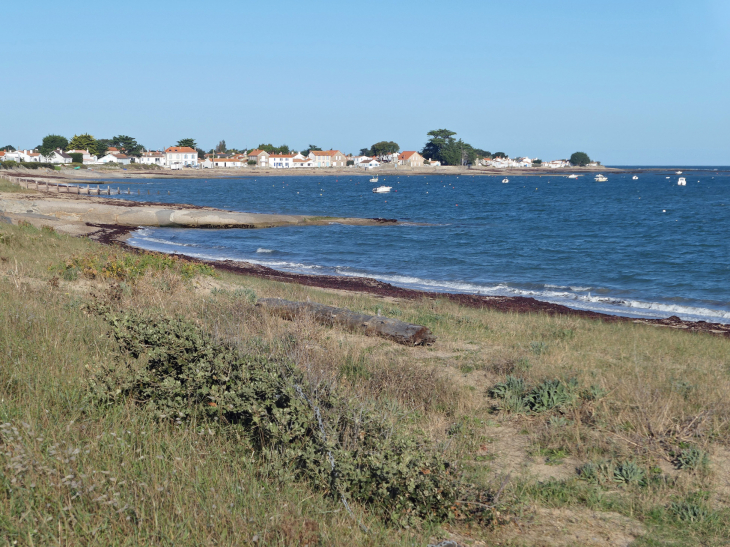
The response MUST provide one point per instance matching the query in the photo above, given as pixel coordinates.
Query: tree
(440, 138)
(8, 148)
(384, 148)
(128, 145)
(102, 146)
(482, 153)
(201, 154)
(580, 159)
(271, 149)
(190, 143)
(311, 148)
(221, 146)
(537, 161)
(366, 152)
(443, 147)
(83, 142)
(51, 143)
(500, 155)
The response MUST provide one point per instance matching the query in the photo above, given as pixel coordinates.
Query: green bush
(177, 372)
(549, 395)
(251, 162)
(76, 157)
(692, 459)
(10, 164)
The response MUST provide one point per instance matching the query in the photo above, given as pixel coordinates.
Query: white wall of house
(180, 157)
(56, 157)
(152, 158)
(115, 158)
(281, 161)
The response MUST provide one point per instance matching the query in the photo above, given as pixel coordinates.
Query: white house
(88, 157)
(301, 161)
(116, 157)
(23, 155)
(59, 156)
(368, 163)
(557, 164)
(177, 157)
(152, 157)
(224, 162)
(283, 161)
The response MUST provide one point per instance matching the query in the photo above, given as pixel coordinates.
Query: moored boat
(382, 189)
(600, 178)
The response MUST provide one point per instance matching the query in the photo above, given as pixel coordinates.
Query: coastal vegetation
(147, 397)
(380, 149)
(445, 148)
(579, 159)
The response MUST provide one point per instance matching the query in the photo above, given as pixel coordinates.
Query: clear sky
(629, 82)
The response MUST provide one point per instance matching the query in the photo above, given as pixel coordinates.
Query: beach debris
(400, 332)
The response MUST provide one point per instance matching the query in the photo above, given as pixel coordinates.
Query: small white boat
(682, 181)
(635, 177)
(374, 179)
(679, 172)
(382, 189)
(505, 181)
(572, 176)
(601, 178)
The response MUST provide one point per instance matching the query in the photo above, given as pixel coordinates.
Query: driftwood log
(370, 325)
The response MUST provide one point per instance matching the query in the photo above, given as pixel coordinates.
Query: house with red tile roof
(410, 159)
(177, 157)
(261, 157)
(328, 158)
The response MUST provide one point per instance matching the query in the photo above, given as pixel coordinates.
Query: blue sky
(641, 82)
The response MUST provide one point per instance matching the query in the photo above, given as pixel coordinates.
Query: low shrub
(549, 395)
(76, 157)
(692, 459)
(11, 164)
(176, 372)
(127, 267)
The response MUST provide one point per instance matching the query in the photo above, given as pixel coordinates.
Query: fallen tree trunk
(407, 334)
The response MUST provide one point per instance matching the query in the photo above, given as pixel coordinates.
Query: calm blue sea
(645, 248)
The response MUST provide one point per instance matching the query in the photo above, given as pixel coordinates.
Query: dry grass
(8, 187)
(664, 390)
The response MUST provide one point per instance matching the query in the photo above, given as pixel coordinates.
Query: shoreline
(101, 223)
(94, 176)
(110, 234)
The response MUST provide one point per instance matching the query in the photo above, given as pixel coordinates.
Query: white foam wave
(262, 250)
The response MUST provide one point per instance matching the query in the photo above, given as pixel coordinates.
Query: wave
(572, 296)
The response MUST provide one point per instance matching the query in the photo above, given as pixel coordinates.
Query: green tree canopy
(51, 143)
(482, 153)
(500, 155)
(579, 159)
(83, 142)
(537, 161)
(128, 145)
(382, 148)
(311, 148)
(443, 147)
(8, 148)
(271, 149)
(190, 143)
(201, 154)
(221, 146)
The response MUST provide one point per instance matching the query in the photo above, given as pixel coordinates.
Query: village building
(177, 157)
(328, 158)
(151, 157)
(301, 161)
(410, 159)
(116, 157)
(224, 163)
(59, 156)
(368, 163)
(260, 157)
(87, 157)
(282, 161)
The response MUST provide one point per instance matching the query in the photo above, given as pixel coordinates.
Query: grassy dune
(563, 430)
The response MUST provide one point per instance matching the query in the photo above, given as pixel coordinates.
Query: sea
(638, 248)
